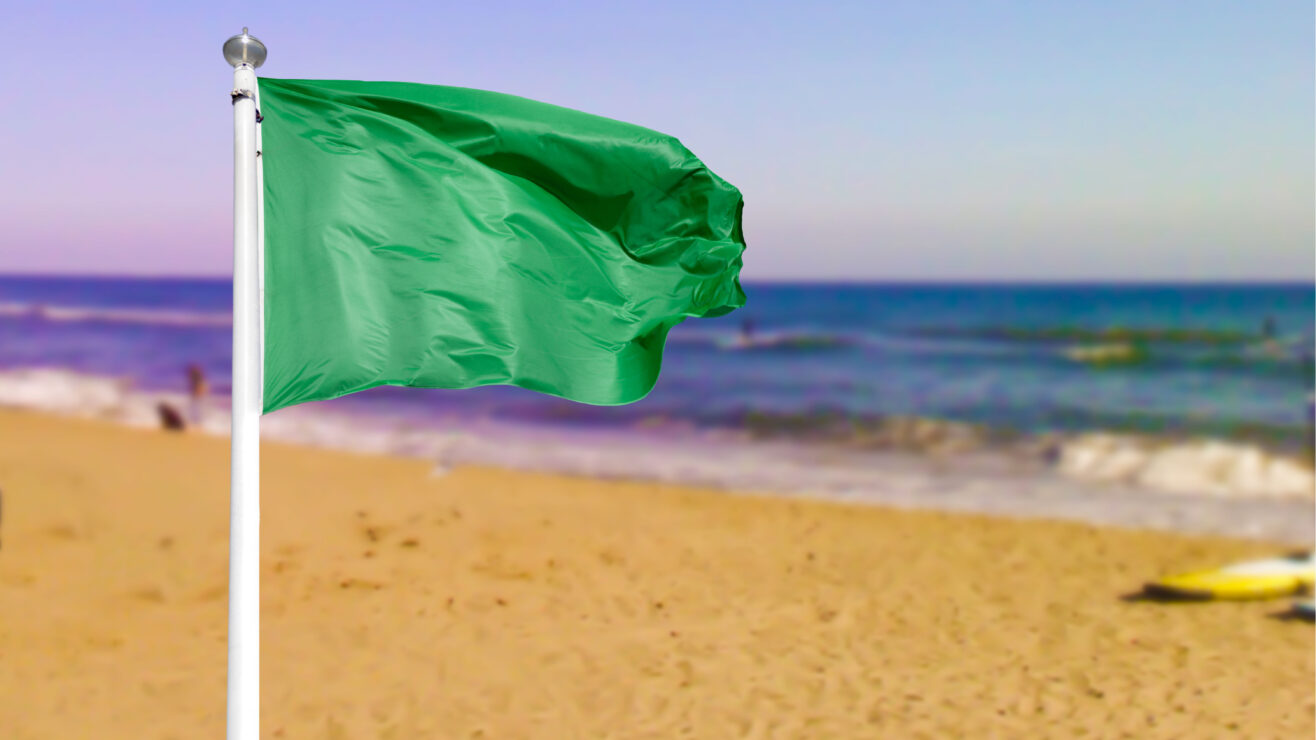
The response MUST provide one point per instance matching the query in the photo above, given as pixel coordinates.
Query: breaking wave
(1187, 465)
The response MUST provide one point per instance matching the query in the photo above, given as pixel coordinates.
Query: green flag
(442, 237)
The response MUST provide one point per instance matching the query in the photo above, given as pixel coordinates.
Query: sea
(1229, 361)
(1075, 401)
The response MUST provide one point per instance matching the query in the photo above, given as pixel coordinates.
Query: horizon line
(769, 281)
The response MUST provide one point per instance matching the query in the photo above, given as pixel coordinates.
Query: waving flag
(442, 237)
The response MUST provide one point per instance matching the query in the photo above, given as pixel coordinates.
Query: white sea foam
(1197, 467)
(63, 391)
(1107, 479)
(1190, 467)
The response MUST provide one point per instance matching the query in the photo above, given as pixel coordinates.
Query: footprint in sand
(63, 531)
(214, 593)
(148, 594)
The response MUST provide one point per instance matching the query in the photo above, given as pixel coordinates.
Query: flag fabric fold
(418, 235)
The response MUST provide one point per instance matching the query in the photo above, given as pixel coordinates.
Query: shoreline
(1092, 478)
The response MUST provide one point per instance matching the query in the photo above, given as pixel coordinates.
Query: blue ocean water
(1221, 360)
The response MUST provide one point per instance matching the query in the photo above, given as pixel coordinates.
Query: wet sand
(497, 604)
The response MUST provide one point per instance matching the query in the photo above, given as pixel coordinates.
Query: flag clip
(240, 94)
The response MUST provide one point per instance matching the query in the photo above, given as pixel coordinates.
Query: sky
(872, 140)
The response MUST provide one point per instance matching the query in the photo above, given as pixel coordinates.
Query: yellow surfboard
(1255, 579)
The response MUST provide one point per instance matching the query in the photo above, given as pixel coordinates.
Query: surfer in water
(747, 339)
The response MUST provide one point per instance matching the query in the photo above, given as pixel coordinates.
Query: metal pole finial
(244, 49)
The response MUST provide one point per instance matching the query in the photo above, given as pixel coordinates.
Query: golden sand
(494, 604)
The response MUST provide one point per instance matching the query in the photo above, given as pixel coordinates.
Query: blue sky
(875, 140)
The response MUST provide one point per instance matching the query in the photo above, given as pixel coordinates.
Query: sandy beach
(487, 603)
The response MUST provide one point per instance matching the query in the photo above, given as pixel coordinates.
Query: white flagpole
(245, 53)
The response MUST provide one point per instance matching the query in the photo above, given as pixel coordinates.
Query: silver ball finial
(244, 49)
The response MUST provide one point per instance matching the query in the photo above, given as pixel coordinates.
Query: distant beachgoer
(747, 330)
(197, 390)
(170, 418)
(1268, 327)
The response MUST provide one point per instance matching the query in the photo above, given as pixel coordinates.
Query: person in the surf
(747, 331)
(1270, 345)
(197, 390)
